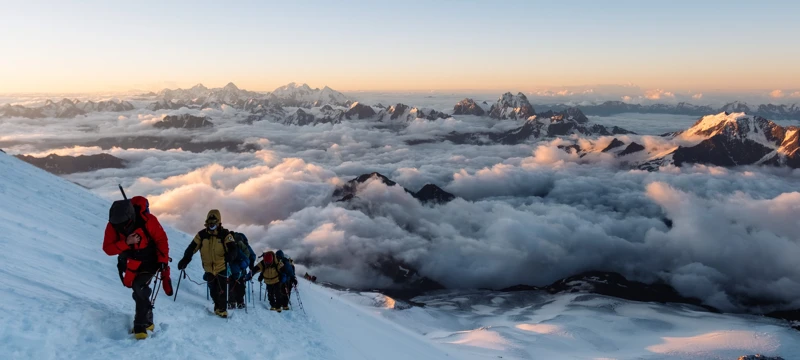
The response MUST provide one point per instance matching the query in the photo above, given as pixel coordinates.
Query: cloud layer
(528, 213)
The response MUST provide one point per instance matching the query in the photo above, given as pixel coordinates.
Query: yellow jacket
(213, 246)
(270, 272)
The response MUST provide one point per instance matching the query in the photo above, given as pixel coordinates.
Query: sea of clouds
(526, 214)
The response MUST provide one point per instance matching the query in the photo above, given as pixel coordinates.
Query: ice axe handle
(122, 191)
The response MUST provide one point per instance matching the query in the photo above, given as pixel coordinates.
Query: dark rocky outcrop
(719, 151)
(615, 285)
(62, 165)
(613, 145)
(170, 143)
(359, 111)
(631, 148)
(429, 194)
(183, 121)
(468, 107)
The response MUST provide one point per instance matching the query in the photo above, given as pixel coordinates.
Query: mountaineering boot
(151, 327)
(273, 308)
(221, 313)
(278, 309)
(286, 308)
(240, 306)
(140, 332)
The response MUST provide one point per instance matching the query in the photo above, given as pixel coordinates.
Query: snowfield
(61, 298)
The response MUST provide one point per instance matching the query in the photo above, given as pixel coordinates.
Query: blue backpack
(245, 256)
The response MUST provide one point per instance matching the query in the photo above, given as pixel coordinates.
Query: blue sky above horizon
(411, 45)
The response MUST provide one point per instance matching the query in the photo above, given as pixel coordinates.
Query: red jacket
(114, 243)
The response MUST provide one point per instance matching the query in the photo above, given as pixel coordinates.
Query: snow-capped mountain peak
(511, 106)
(304, 96)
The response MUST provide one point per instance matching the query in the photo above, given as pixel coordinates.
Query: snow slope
(61, 297)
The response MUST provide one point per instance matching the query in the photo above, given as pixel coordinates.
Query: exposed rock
(632, 148)
(61, 165)
(300, 118)
(468, 107)
(760, 357)
(431, 193)
(360, 111)
(613, 145)
(171, 143)
(397, 111)
(616, 285)
(408, 283)
(510, 106)
(183, 121)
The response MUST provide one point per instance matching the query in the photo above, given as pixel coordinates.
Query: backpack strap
(204, 235)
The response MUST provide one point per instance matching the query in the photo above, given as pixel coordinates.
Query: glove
(208, 276)
(260, 277)
(248, 276)
(182, 264)
(294, 281)
(166, 282)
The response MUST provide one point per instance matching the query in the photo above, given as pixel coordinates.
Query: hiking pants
(287, 289)
(218, 287)
(276, 296)
(141, 295)
(238, 290)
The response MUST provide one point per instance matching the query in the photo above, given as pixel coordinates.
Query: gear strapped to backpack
(127, 216)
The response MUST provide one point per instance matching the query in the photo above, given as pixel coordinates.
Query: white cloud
(697, 96)
(657, 94)
(776, 94)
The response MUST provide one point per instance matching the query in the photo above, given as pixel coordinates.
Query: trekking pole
(155, 293)
(183, 275)
(260, 287)
(299, 301)
(245, 294)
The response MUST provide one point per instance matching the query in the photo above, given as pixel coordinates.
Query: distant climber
(217, 248)
(310, 277)
(142, 245)
(288, 278)
(269, 269)
(243, 263)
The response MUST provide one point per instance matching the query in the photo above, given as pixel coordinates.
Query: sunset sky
(96, 46)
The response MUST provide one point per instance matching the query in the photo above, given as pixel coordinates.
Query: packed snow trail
(61, 297)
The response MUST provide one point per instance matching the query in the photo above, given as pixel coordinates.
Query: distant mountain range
(65, 108)
(608, 108)
(725, 139)
(291, 95)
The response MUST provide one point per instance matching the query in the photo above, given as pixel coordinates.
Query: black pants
(287, 289)
(238, 288)
(276, 296)
(218, 287)
(141, 295)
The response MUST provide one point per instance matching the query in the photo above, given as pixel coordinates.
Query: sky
(97, 46)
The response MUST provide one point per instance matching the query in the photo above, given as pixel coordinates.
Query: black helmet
(121, 216)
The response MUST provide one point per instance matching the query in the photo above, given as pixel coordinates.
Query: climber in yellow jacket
(270, 273)
(217, 247)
